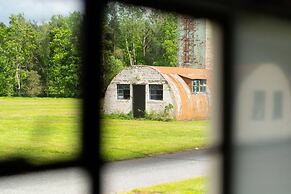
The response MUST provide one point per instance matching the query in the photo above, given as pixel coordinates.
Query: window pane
(156, 92)
(259, 105)
(262, 74)
(40, 62)
(174, 120)
(203, 89)
(278, 105)
(199, 86)
(123, 91)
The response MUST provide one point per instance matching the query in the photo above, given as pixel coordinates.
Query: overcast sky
(38, 10)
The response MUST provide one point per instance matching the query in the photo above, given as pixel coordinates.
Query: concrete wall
(137, 75)
(201, 34)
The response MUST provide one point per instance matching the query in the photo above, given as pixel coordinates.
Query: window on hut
(259, 105)
(278, 105)
(123, 91)
(156, 91)
(199, 86)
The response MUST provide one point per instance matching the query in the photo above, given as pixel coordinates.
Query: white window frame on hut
(199, 86)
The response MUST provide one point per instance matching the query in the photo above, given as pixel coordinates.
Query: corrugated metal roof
(189, 106)
(180, 70)
(189, 73)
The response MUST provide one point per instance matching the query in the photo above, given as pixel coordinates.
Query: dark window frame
(224, 12)
(155, 92)
(123, 91)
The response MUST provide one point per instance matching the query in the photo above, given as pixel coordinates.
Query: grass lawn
(191, 186)
(48, 129)
(126, 139)
(40, 129)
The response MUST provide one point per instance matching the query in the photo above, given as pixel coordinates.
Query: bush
(31, 84)
(127, 116)
(161, 116)
(155, 116)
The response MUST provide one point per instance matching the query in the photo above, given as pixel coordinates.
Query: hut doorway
(138, 101)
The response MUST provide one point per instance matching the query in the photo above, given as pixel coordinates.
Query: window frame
(156, 90)
(201, 85)
(224, 12)
(123, 90)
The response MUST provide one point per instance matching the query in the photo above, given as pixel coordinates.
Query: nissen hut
(141, 89)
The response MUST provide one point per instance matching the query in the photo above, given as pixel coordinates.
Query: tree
(64, 56)
(42, 55)
(145, 36)
(113, 54)
(137, 35)
(6, 71)
(167, 38)
(18, 53)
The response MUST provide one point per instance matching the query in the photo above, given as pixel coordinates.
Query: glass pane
(39, 80)
(159, 54)
(278, 105)
(259, 105)
(262, 109)
(203, 89)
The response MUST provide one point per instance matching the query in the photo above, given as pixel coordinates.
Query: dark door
(138, 101)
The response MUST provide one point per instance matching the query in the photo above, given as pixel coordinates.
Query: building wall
(190, 106)
(137, 75)
(209, 44)
(195, 39)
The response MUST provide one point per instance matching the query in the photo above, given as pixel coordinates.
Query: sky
(38, 10)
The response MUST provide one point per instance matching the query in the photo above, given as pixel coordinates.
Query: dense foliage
(44, 59)
(137, 36)
(40, 59)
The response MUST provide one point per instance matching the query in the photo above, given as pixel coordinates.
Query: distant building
(150, 89)
(140, 89)
(195, 43)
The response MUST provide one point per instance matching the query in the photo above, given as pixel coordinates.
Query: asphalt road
(115, 176)
(126, 175)
(67, 181)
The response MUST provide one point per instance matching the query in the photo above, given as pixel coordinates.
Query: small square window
(199, 86)
(123, 91)
(156, 91)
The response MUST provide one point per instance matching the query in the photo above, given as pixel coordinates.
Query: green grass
(42, 130)
(191, 186)
(48, 129)
(127, 139)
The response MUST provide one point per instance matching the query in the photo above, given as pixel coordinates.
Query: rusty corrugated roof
(189, 106)
(179, 70)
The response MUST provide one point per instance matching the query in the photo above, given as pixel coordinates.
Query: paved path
(126, 175)
(66, 181)
(116, 176)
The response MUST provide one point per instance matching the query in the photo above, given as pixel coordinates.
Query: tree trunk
(134, 54)
(18, 79)
(131, 62)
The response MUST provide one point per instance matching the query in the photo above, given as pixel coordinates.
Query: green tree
(7, 81)
(64, 56)
(42, 55)
(18, 53)
(137, 35)
(167, 39)
(113, 54)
